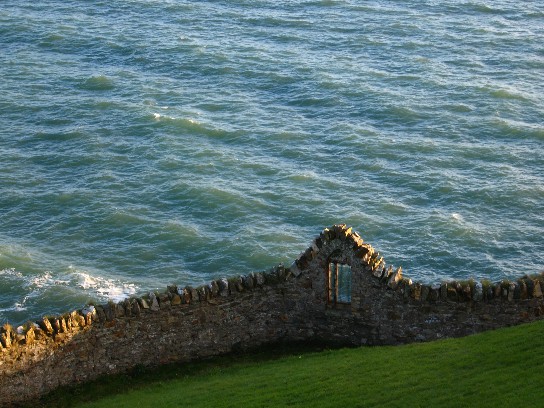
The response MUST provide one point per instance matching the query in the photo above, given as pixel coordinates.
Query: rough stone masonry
(285, 304)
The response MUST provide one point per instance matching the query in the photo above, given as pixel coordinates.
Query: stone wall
(281, 305)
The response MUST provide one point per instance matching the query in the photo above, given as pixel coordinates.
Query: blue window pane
(344, 284)
(339, 283)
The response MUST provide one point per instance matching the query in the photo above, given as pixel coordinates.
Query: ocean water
(144, 142)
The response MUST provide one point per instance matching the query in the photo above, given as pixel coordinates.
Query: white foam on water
(17, 307)
(457, 217)
(110, 289)
(158, 116)
(34, 288)
(11, 272)
(40, 281)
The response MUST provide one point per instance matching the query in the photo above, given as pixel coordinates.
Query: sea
(153, 142)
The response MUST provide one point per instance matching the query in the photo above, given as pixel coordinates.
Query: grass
(502, 368)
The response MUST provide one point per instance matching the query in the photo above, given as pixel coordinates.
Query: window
(339, 283)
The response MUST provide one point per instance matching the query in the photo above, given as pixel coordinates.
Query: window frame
(333, 290)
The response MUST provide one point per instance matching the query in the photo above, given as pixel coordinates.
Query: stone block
(194, 295)
(109, 310)
(524, 292)
(19, 337)
(362, 253)
(309, 254)
(281, 272)
(530, 284)
(214, 288)
(490, 293)
(452, 293)
(88, 319)
(248, 282)
(302, 262)
(259, 279)
(394, 278)
(434, 293)
(425, 289)
(444, 291)
(537, 290)
(271, 276)
(326, 235)
(186, 295)
(133, 306)
(63, 325)
(343, 235)
(497, 290)
(55, 322)
(406, 288)
(356, 241)
(202, 293)
(88, 309)
(154, 302)
(511, 291)
(517, 291)
(46, 326)
(81, 319)
(30, 336)
(143, 303)
(236, 284)
(5, 339)
(69, 324)
(416, 291)
(295, 269)
(223, 287)
(176, 300)
(478, 293)
(381, 273)
(119, 310)
(375, 266)
(465, 291)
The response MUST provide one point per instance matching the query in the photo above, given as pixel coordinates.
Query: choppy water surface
(150, 142)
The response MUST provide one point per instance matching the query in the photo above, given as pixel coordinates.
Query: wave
(507, 94)
(104, 288)
(98, 83)
(519, 128)
(22, 292)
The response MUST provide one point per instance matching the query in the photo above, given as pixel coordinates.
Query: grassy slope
(493, 369)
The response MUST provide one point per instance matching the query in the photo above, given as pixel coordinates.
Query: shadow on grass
(143, 376)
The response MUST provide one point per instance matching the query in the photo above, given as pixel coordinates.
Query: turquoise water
(153, 142)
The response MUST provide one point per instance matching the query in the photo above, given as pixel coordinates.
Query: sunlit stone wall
(284, 304)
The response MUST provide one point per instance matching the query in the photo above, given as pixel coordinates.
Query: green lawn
(503, 368)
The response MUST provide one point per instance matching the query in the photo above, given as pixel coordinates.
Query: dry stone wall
(284, 304)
